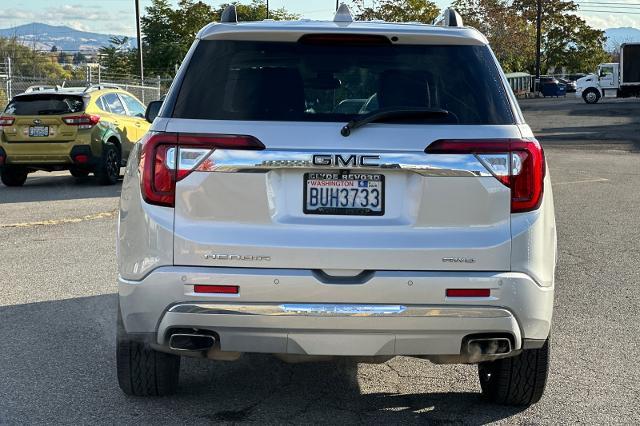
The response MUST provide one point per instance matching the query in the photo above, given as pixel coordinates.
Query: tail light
(7, 121)
(84, 121)
(518, 164)
(167, 158)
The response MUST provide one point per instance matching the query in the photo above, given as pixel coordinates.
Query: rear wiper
(384, 114)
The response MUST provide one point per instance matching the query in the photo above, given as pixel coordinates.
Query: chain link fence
(152, 89)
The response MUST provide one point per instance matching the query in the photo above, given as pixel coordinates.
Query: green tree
(64, 58)
(510, 35)
(567, 40)
(79, 59)
(162, 47)
(189, 18)
(117, 59)
(169, 32)
(257, 11)
(27, 62)
(424, 11)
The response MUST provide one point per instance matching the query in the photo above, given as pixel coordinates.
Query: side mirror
(152, 110)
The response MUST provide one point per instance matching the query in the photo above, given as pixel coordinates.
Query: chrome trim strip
(340, 310)
(230, 161)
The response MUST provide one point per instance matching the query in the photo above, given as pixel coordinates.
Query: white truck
(616, 79)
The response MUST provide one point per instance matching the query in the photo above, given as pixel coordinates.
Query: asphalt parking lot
(57, 310)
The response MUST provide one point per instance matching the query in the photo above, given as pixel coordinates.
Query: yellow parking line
(95, 216)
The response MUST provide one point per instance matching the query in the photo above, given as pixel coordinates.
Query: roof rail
(451, 18)
(100, 86)
(343, 14)
(229, 15)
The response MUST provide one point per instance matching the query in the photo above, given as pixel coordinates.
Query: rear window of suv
(45, 104)
(284, 81)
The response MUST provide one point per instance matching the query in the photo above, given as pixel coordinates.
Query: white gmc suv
(346, 189)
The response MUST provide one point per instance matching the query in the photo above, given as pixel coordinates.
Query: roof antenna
(343, 14)
(229, 15)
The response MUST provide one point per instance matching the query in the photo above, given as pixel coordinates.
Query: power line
(615, 7)
(609, 11)
(608, 3)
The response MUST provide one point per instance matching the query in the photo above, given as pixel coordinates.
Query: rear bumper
(294, 312)
(49, 154)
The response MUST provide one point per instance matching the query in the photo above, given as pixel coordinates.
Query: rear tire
(143, 371)
(108, 169)
(591, 96)
(518, 380)
(78, 173)
(14, 175)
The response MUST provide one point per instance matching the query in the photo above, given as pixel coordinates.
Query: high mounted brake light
(167, 158)
(518, 164)
(345, 39)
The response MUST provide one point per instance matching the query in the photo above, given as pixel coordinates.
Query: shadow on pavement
(613, 123)
(58, 366)
(45, 187)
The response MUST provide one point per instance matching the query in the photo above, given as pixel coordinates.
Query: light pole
(538, 40)
(139, 42)
(267, 9)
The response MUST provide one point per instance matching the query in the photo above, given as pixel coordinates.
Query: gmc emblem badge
(352, 160)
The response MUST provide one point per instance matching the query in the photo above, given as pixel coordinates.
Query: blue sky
(117, 16)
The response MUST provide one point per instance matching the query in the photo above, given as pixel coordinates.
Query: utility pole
(538, 38)
(139, 42)
(337, 5)
(267, 9)
(9, 77)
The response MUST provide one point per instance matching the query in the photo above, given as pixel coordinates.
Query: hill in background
(43, 37)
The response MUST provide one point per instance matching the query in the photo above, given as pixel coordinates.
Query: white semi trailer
(615, 79)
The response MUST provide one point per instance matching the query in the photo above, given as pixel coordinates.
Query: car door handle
(116, 123)
(138, 124)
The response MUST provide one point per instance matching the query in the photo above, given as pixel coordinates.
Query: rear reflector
(220, 289)
(167, 158)
(468, 292)
(81, 158)
(518, 164)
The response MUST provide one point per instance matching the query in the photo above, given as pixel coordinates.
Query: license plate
(357, 194)
(38, 131)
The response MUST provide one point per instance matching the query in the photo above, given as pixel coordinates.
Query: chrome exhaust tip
(489, 346)
(191, 342)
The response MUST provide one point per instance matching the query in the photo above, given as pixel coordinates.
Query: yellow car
(83, 130)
